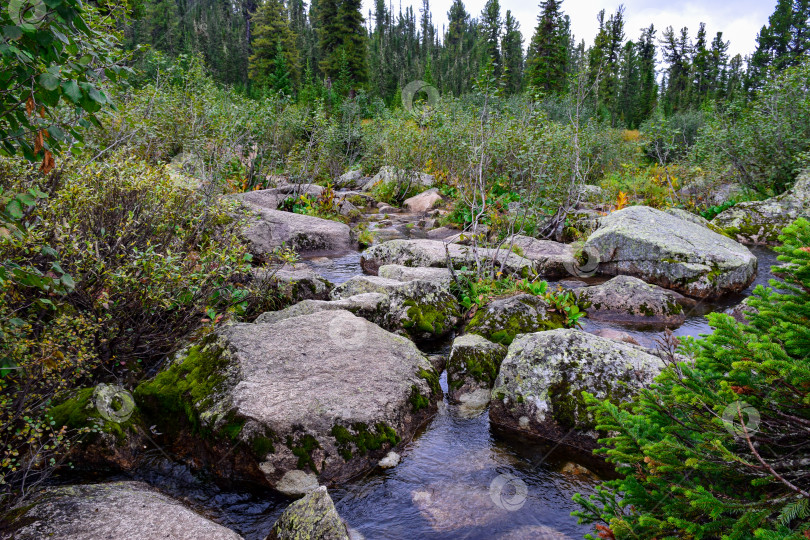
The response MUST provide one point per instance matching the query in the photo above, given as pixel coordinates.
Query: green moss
(302, 449)
(361, 440)
(427, 318)
(176, 396)
(417, 400)
(80, 412)
(504, 331)
(262, 446)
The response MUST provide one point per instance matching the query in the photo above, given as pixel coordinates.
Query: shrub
(101, 281)
(719, 447)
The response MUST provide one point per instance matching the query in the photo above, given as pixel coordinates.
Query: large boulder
(350, 179)
(630, 300)
(272, 198)
(538, 391)
(308, 400)
(761, 222)
(407, 273)
(504, 318)
(433, 253)
(668, 251)
(473, 365)
(370, 306)
(424, 202)
(269, 229)
(422, 309)
(391, 175)
(131, 510)
(365, 284)
(552, 259)
(311, 517)
(296, 284)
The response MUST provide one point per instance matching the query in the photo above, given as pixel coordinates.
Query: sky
(739, 20)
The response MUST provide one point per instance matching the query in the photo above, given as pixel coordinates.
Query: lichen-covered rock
(269, 229)
(433, 253)
(502, 319)
(131, 510)
(552, 259)
(272, 198)
(670, 252)
(424, 202)
(406, 273)
(741, 311)
(694, 218)
(422, 309)
(538, 391)
(312, 517)
(364, 284)
(631, 300)
(370, 306)
(350, 179)
(326, 395)
(473, 364)
(297, 284)
(390, 175)
(761, 222)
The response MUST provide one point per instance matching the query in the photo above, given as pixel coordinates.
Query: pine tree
(603, 63)
(548, 50)
(677, 51)
(648, 85)
(512, 45)
(719, 447)
(460, 62)
(275, 55)
(783, 43)
(490, 26)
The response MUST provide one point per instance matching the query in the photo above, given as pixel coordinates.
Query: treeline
(329, 46)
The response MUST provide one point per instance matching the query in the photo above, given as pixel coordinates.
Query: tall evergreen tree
(343, 39)
(783, 43)
(548, 50)
(275, 51)
(603, 63)
(490, 27)
(677, 49)
(512, 45)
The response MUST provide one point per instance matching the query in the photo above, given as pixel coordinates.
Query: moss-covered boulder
(761, 222)
(272, 198)
(434, 254)
(539, 388)
(552, 259)
(473, 365)
(131, 510)
(665, 250)
(311, 517)
(503, 319)
(627, 299)
(422, 310)
(309, 400)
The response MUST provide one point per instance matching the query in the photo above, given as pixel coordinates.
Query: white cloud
(739, 20)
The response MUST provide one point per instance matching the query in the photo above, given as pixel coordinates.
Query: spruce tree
(548, 51)
(677, 49)
(783, 43)
(490, 26)
(274, 49)
(512, 55)
(719, 447)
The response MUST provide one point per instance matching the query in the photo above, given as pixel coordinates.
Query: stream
(457, 479)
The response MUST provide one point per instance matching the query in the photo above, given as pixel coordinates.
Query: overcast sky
(739, 20)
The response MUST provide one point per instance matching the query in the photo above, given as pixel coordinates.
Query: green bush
(719, 447)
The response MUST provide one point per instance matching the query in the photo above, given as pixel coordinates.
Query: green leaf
(71, 90)
(68, 282)
(14, 209)
(49, 81)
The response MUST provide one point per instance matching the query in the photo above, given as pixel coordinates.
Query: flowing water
(457, 479)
